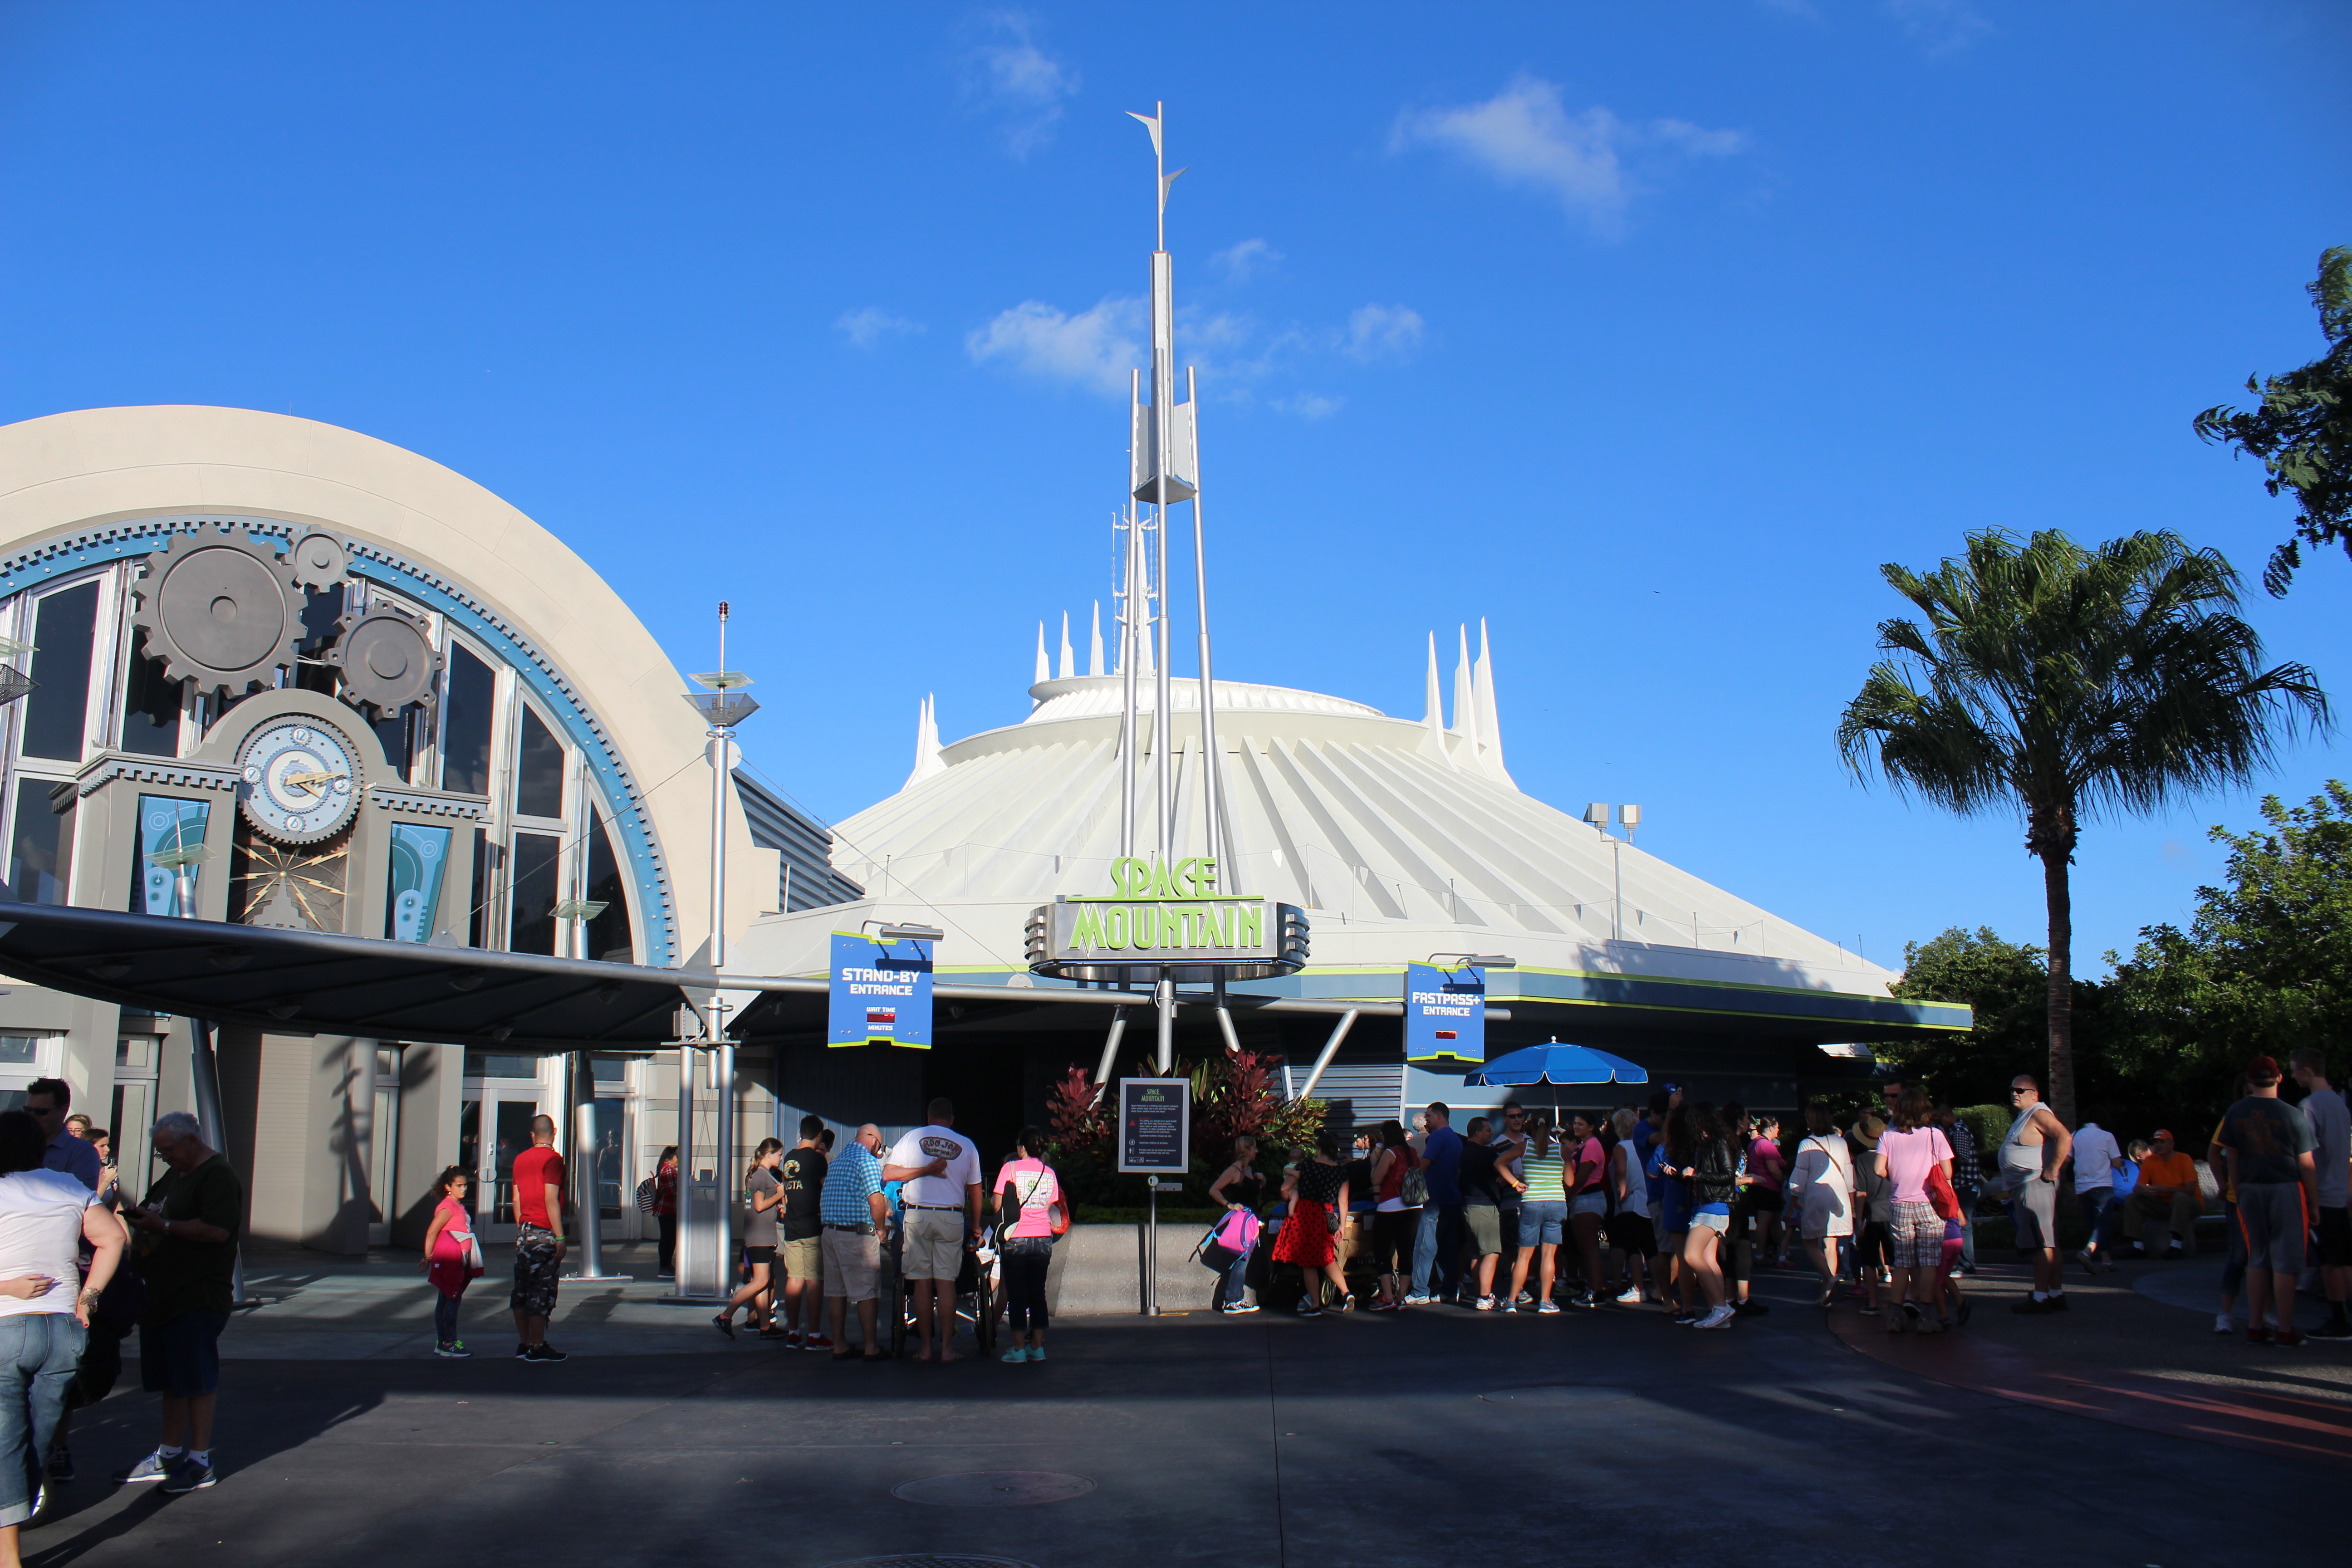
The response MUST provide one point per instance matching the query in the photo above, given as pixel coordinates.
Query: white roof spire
(1490, 729)
(1432, 715)
(1094, 643)
(1466, 704)
(1069, 665)
(926, 745)
(1045, 669)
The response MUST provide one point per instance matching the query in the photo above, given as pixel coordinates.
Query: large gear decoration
(386, 657)
(220, 608)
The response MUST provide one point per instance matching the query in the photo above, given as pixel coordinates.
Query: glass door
(493, 1128)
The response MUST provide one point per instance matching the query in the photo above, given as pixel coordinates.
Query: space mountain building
(1393, 840)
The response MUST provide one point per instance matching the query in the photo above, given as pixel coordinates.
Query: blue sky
(1645, 334)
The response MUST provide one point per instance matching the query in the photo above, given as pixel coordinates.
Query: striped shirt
(1542, 1174)
(854, 1176)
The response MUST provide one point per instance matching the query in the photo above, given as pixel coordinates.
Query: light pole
(723, 706)
(572, 916)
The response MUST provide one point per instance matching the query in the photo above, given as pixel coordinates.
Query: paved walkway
(1351, 1440)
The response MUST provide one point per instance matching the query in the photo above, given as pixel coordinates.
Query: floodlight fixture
(1597, 814)
(1477, 960)
(1629, 816)
(910, 933)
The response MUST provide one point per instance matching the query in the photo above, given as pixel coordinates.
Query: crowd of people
(81, 1269)
(1676, 1203)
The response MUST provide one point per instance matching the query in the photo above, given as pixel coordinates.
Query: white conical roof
(1397, 834)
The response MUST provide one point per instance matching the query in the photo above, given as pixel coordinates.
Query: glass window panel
(530, 923)
(56, 712)
(491, 1064)
(134, 1051)
(608, 933)
(466, 728)
(514, 1119)
(478, 921)
(469, 1150)
(33, 846)
(169, 829)
(420, 857)
(610, 1070)
(19, 1050)
(539, 769)
(151, 710)
(611, 1115)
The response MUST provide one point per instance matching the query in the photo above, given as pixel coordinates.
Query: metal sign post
(1155, 1140)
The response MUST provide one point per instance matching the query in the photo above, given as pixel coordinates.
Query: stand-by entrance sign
(880, 992)
(1444, 1013)
(1155, 1126)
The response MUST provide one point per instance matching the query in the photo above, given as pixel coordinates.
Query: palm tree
(2060, 681)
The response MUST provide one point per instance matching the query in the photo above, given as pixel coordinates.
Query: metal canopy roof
(289, 982)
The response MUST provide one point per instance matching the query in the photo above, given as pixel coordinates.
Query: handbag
(648, 1195)
(1414, 1192)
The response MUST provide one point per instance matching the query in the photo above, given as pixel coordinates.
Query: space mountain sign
(1162, 916)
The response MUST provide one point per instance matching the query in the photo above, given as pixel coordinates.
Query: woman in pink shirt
(452, 1260)
(1915, 1232)
(1028, 1197)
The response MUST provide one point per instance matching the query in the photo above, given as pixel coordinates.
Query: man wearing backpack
(1438, 1241)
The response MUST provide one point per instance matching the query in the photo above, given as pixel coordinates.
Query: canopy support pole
(1330, 1048)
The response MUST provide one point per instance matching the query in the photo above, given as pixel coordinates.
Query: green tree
(2058, 682)
(2006, 986)
(2302, 431)
(2264, 967)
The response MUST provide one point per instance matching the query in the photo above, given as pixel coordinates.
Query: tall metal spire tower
(1163, 470)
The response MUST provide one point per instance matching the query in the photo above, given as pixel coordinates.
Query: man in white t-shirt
(941, 1171)
(2331, 1129)
(2098, 1157)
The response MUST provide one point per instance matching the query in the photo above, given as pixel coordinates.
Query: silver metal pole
(204, 1080)
(1150, 1244)
(580, 1090)
(723, 1084)
(1167, 1004)
(1111, 1052)
(1212, 783)
(1330, 1048)
(1127, 645)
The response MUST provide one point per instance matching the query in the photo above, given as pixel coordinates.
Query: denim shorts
(181, 1356)
(1542, 1224)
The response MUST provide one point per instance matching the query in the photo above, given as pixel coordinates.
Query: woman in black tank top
(1241, 1185)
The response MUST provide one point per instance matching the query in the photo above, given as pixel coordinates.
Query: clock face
(300, 782)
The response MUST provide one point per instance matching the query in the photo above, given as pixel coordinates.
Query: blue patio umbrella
(1553, 1062)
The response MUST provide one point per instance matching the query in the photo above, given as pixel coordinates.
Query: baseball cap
(2161, 1132)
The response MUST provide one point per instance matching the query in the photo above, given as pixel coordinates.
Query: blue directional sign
(880, 993)
(1445, 1015)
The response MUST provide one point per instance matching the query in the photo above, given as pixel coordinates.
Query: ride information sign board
(1155, 1126)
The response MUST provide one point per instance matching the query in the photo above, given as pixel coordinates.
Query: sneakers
(725, 1323)
(1684, 1320)
(2333, 1329)
(1751, 1307)
(156, 1467)
(61, 1463)
(1308, 1307)
(1720, 1318)
(1014, 1356)
(2222, 1324)
(1587, 1301)
(2258, 1334)
(1547, 1306)
(1525, 1297)
(187, 1475)
(1631, 1297)
(1419, 1299)
(2030, 1307)
(543, 1354)
(2090, 1265)
(1245, 1306)
(1484, 1304)
(2174, 1253)
(2289, 1339)
(453, 1351)
(2058, 1301)
(1348, 1303)
(815, 1341)
(1036, 1352)
(1385, 1305)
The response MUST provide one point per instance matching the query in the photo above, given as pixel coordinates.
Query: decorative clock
(300, 782)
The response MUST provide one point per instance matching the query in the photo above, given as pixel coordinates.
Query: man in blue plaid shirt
(854, 1214)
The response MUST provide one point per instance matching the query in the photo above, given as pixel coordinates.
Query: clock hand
(305, 780)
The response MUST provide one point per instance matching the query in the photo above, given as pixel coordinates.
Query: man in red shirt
(539, 1240)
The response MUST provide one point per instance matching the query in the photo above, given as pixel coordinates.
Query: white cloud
(1097, 348)
(1941, 27)
(1310, 406)
(1383, 332)
(1024, 84)
(870, 327)
(1243, 261)
(1525, 135)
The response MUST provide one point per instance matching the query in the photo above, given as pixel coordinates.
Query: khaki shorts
(934, 1245)
(852, 1264)
(804, 1259)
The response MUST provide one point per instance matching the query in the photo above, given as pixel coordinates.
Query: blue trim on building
(72, 552)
